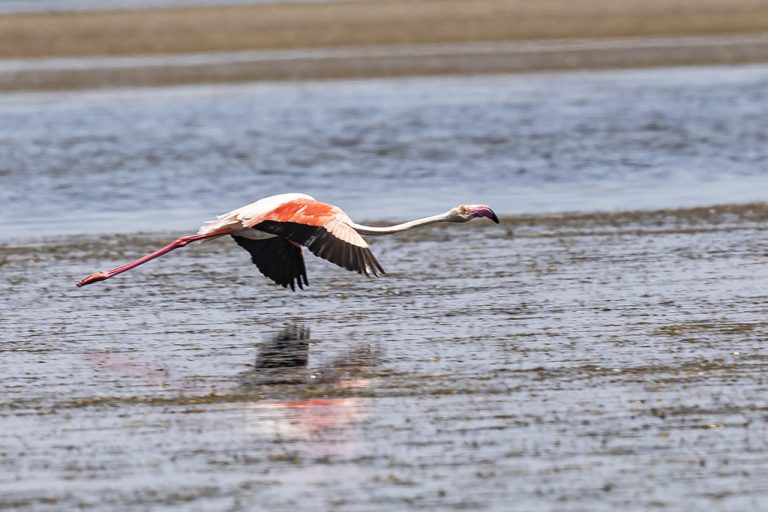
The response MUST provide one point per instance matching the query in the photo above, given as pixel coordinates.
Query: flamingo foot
(95, 277)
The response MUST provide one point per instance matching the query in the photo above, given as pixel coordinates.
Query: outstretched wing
(324, 229)
(278, 259)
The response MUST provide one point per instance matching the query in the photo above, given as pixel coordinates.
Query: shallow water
(170, 158)
(586, 361)
(576, 362)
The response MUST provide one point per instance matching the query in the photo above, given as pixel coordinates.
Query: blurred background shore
(126, 43)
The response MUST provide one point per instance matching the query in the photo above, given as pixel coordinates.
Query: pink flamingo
(274, 229)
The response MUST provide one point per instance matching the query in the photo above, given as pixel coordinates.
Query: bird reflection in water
(284, 359)
(287, 350)
(332, 405)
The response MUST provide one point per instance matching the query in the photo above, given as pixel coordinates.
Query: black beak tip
(494, 218)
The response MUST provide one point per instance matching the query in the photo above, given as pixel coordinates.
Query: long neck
(388, 230)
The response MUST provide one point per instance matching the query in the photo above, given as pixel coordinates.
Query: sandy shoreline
(390, 38)
(203, 29)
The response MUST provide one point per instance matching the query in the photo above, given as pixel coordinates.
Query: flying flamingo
(274, 229)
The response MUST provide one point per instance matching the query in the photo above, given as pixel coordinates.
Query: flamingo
(274, 229)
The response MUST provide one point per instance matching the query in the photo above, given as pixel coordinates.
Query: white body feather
(241, 216)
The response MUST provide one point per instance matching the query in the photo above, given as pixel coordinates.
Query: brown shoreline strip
(351, 23)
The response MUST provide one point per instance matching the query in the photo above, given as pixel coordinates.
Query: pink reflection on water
(317, 426)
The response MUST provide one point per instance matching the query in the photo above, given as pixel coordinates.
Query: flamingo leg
(181, 242)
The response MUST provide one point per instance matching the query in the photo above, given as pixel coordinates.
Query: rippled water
(595, 362)
(170, 158)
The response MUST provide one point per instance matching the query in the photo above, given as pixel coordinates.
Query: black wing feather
(325, 245)
(278, 259)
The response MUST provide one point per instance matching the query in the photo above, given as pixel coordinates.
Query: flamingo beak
(482, 210)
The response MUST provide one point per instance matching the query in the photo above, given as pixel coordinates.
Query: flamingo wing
(324, 229)
(278, 259)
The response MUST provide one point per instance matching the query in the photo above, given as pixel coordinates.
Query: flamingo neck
(388, 230)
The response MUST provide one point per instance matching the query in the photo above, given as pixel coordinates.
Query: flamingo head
(467, 212)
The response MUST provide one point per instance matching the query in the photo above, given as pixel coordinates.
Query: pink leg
(181, 242)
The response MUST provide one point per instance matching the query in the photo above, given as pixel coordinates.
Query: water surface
(588, 361)
(169, 158)
(578, 362)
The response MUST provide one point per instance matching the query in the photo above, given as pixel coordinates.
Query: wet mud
(553, 362)
(368, 62)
